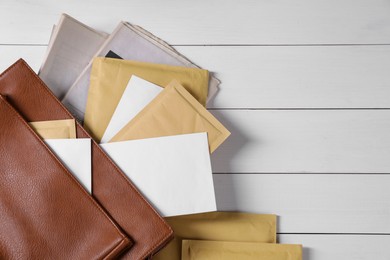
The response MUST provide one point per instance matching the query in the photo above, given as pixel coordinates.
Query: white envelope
(137, 95)
(172, 172)
(75, 154)
(131, 43)
(71, 47)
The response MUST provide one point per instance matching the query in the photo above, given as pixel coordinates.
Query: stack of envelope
(121, 139)
(226, 235)
(144, 103)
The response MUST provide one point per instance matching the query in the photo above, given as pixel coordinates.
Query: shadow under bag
(44, 212)
(110, 187)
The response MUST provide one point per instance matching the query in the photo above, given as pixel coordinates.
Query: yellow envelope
(109, 78)
(224, 226)
(220, 250)
(173, 112)
(55, 129)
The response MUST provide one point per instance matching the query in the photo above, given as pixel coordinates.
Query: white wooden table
(305, 91)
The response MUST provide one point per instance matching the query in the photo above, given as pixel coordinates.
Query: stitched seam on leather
(149, 252)
(112, 250)
(152, 252)
(104, 154)
(70, 175)
(118, 245)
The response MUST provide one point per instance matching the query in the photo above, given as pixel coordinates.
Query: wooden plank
(297, 77)
(304, 141)
(286, 141)
(280, 77)
(33, 55)
(210, 22)
(339, 141)
(341, 247)
(307, 203)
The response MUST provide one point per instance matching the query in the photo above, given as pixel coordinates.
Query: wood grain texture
(304, 141)
(330, 141)
(280, 77)
(297, 76)
(341, 247)
(210, 22)
(33, 55)
(302, 105)
(307, 203)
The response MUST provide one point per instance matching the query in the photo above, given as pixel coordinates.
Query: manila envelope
(109, 78)
(130, 42)
(55, 129)
(224, 226)
(173, 112)
(220, 250)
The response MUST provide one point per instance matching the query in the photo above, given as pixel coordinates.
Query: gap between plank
(302, 108)
(238, 45)
(287, 45)
(338, 234)
(301, 173)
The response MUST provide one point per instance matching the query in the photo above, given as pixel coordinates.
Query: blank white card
(75, 154)
(138, 93)
(173, 172)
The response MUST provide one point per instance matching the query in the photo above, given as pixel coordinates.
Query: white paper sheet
(173, 172)
(71, 48)
(75, 154)
(131, 43)
(137, 95)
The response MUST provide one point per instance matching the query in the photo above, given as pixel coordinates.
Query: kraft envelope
(109, 78)
(71, 48)
(137, 95)
(75, 154)
(55, 129)
(174, 111)
(173, 172)
(219, 250)
(131, 43)
(224, 226)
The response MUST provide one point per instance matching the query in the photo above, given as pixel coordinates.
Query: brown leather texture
(110, 187)
(44, 212)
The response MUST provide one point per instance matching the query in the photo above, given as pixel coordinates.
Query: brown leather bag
(44, 212)
(110, 187)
